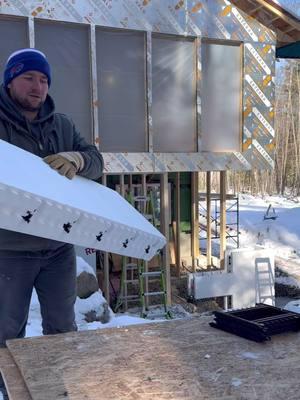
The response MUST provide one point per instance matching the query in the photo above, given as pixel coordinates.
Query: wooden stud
(106, 261)
(149, 90)
(198, 91)
(241, 114)
(144, 192)
(144, 210)
(177, 225)
(288, 29)
(130, 186)
(31, 34)
(222, 217)
(95, 100)
(164, 223)
(254, 10)
(195, 219)
(122, 185)
(274, 19)
(208, 218)
(124, 259)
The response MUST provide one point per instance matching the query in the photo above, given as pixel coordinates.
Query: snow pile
(95, 306)
(293, 306)
(288, 281)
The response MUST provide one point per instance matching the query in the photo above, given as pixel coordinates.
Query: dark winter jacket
(50, 133)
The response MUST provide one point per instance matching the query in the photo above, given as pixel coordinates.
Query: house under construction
(167, 90)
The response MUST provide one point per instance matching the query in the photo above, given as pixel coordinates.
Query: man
(28, 120)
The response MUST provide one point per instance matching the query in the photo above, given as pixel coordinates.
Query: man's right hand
(61, 165)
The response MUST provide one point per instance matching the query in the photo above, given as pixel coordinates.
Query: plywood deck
(185, 359)
(12, 377)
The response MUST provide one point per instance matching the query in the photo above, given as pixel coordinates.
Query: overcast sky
(291, 5)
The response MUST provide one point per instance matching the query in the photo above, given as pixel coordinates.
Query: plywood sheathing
(185, 359)
(12, 377)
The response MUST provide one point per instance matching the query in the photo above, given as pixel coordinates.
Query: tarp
(291, 50)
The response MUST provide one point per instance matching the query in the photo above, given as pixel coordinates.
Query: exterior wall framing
(213, 19)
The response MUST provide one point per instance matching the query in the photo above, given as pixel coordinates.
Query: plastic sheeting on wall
(121, 90)
(13, 36)
(67, 48)
(174, 94)
(221, 97)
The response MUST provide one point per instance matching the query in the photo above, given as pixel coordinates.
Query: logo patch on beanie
(16, 69)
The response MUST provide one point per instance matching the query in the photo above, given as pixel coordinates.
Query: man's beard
(25, 104)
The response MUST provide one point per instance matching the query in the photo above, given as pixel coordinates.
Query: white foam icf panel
(248, 277)
(36, 200)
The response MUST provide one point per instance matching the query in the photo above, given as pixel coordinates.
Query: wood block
(14, 382)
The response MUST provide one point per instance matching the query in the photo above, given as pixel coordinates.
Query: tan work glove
(66, 163)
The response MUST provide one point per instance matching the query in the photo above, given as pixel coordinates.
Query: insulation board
(36, 200)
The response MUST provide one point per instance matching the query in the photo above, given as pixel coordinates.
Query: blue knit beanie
(26, 60)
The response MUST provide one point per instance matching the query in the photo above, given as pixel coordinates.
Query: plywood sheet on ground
(182, 360)
(12, 377)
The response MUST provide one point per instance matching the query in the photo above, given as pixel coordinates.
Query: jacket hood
(10, 112)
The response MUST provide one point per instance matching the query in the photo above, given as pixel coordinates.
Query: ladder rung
(130, 266)
(130, 297)
(131, 281)
(153, 293)
(138, 199)
(132, 300)
(262, 282)
(153, 273)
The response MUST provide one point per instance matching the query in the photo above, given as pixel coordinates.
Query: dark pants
(53, 274)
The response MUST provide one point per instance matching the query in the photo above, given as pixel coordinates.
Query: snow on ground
(95, 303)
(83, 266)
(281, 234)
(82, 305)
(294, 306)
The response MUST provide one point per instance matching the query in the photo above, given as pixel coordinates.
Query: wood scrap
(14, 382)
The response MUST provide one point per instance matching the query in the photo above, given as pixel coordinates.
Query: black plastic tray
(257, 323)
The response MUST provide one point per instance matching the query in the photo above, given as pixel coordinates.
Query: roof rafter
(273, 16)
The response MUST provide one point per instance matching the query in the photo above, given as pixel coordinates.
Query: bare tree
(285, 177)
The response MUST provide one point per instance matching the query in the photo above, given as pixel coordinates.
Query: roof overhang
(275, 17)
